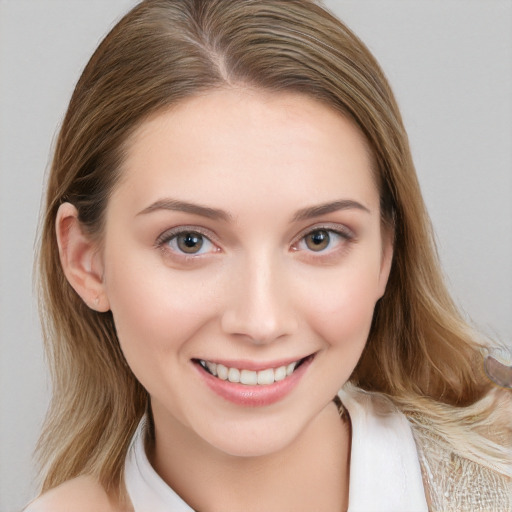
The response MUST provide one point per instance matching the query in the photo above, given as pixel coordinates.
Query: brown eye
(317, 240)
(189, 242)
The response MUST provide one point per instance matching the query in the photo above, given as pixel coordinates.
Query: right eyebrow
(184, 206)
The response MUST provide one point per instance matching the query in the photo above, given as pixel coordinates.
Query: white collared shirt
(385, 474)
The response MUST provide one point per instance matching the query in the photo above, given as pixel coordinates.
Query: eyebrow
(183, 206)
(217, 214)
(323, 209)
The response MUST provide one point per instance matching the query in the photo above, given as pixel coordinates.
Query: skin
(256, 291)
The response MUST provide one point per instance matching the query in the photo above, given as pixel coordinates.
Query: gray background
(450, 63)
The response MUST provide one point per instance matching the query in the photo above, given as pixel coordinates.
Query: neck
(311, 473)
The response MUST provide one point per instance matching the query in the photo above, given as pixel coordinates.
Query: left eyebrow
(322, 209)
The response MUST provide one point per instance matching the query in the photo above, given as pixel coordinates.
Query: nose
(259, 303)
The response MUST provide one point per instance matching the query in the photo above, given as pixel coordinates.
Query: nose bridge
(259, 308)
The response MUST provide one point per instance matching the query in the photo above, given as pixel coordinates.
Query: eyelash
(345, 236)
(162, 242)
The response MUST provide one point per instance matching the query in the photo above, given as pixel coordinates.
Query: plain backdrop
(450, 63)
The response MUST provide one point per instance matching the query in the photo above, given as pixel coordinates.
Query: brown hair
(419, 348)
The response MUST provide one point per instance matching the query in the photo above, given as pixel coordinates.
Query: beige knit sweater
(455, 483)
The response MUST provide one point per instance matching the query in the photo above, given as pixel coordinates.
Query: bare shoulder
(84, 493)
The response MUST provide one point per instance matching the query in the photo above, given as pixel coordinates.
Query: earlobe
(80, 258)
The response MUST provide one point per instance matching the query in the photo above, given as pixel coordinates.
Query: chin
(257, 433)
(244, 443)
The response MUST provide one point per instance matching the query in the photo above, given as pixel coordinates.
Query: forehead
(240, 144)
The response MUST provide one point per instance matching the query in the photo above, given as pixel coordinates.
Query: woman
(233, 233)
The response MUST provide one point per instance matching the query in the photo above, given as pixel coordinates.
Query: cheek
(341, 310)
(154, 311)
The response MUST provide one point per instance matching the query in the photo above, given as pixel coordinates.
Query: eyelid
(168, 234)
(330, 255)
(340, 229)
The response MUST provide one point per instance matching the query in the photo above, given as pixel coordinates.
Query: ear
(388, 236)
(80, 258)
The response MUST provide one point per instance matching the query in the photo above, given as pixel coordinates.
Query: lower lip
(254, 396)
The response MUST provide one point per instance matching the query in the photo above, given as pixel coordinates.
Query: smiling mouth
(264, 377)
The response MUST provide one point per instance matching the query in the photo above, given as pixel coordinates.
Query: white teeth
(249, 377)
(234, 375)
(280, 373)
(222, 372)
(266, 376)
(212, 367)
(290, 368)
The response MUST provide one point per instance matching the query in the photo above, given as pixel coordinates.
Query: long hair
(420, 352)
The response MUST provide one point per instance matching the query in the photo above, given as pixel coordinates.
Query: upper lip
(247, 364)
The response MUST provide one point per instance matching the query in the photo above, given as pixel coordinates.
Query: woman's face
(244, 242)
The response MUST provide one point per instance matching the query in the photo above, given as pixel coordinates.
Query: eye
(186, 242)
(322, 240)
(189, 243)
(318, 240)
